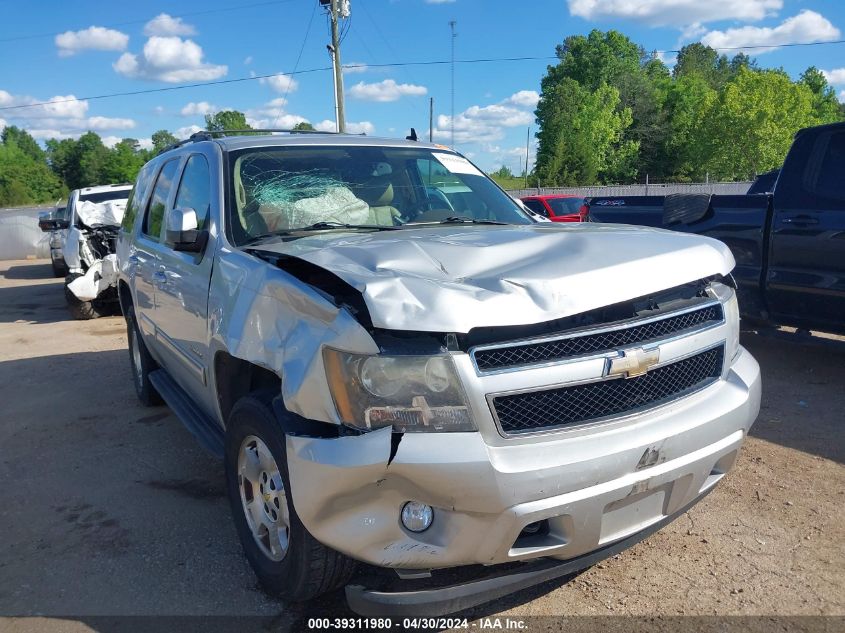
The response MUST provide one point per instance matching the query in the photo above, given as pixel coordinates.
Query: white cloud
(247, 60)
(169, 59)
(362, 127)
(108, 123)
(185, 132)
(807, 26)
(492, 157)
(200, 108)
(674, 12)
(2, 124)
(280, 83)
(95, 38)
(383, 91)
(111, 141)
(524, 98)
(145, 143)
(486, 124)
(272, 114)
(351, 68)
(835, 76)
(164, 24)
(842, 96)
(61, 116)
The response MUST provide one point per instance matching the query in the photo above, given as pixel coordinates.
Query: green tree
(826, 106)
(226, 120)
(596, 59)
(125, 161)
(162, 139)
(581, 138)
(756, 117)
(13, 135)
(25, 180)
(689, 144)
(303, 126)
(502, 172)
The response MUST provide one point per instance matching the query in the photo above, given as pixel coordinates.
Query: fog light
(417, 516)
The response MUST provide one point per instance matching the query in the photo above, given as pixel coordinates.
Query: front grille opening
(587, 343)
(579, 404)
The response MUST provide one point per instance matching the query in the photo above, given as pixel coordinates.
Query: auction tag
(457, 164)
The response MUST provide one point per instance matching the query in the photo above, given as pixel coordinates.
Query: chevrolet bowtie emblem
(633, 362)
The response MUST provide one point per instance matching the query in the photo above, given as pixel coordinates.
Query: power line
(296, 65)
(438, 62)
(131, 22)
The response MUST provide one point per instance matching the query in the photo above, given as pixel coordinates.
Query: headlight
(727, 296)
(410, 393)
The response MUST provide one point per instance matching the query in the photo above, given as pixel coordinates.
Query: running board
(207, 431)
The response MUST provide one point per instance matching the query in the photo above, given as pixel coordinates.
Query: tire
(306, 568)
(141, 362)
(79, 309)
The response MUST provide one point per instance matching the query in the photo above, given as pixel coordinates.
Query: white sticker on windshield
(457, 164)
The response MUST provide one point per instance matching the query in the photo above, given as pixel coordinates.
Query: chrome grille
(516, 355)
(578, 404)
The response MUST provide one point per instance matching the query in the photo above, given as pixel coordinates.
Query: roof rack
(207, 135)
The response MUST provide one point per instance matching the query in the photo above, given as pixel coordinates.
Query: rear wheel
(289, 562)
(142, 363)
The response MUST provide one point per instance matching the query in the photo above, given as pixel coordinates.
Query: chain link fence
(651, 189)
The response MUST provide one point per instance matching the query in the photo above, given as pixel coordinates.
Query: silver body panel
(594, 483)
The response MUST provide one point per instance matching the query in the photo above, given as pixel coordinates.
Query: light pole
(452, 24)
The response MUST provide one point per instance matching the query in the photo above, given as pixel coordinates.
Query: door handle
(134, 260)
(159, 277)
(800, 220)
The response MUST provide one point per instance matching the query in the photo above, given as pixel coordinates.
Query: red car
(558, 207)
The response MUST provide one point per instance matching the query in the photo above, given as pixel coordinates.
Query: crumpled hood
(457, 277)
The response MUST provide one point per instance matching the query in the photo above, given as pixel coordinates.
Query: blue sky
(66, 51)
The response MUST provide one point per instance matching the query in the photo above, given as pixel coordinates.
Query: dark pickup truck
(789, 245)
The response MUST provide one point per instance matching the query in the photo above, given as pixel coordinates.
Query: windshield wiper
(320, 226)
(462, 219)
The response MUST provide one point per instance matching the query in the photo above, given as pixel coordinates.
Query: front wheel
(289, 562)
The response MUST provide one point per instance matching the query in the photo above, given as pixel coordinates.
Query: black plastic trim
(208, 433)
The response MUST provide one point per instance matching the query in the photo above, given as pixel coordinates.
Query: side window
(158, 201)
(136, 197)
(195, 189)
(536, 206)
(829, 178)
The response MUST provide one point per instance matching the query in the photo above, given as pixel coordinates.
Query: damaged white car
(88, 236)
(401, 367)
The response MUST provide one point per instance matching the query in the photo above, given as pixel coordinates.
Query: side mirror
(47, 223)
(182, 233)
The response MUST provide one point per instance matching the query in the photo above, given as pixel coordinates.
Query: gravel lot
(110, 508)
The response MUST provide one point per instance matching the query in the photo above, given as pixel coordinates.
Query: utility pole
(452, 24)
(431, 119)
(334, 50)
(527, 143)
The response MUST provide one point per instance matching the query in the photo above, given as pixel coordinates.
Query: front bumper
(593, 488)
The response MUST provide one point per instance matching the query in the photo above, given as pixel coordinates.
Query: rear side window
(195, 189)
(158, 201)
(829, 182)
(136, 197)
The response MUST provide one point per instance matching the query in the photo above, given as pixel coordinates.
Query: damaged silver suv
(402, 367)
